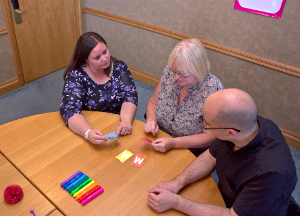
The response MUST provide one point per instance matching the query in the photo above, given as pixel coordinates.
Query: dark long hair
(85, 44)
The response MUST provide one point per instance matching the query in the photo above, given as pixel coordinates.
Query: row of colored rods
(82, 187)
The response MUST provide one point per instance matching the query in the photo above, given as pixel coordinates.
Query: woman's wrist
(86, 134)
(151, 120)
(176, 142)
(126, 121)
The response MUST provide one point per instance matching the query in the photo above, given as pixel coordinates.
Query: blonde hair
(190, 56)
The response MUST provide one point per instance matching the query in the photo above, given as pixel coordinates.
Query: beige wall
(218, 22)
(277, 94)
(7, 68)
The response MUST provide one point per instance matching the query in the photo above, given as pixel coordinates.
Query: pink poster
(272, 8)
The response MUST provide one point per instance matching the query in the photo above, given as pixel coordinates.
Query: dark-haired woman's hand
(123, 128)
(96, 137)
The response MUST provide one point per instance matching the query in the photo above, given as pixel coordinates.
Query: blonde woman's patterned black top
(187, 120)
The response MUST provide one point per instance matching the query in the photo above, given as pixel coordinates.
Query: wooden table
(32, 198)
(47, 152)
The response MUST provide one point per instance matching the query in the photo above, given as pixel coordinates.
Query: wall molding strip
(3, 31)
(213, 46)
(291, 138)
(144, 77)
(9, 86)
(79, 16)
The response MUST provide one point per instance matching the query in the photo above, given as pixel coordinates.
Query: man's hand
(161, 199)
(172, 186)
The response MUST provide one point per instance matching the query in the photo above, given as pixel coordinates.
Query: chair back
(294, 208)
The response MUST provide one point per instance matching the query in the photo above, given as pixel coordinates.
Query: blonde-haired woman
(176, 105)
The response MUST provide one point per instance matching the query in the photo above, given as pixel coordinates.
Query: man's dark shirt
(259, 178)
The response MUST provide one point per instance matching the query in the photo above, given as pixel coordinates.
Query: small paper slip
(124, 156)
(111, 136)
(138, 160)
(146, 140)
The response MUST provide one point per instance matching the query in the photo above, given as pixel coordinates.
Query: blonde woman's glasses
(178, 73)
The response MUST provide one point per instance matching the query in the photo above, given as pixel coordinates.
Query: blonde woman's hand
(151, 127)
(163, 144)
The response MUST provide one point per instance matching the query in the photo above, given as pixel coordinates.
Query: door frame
(8, 18)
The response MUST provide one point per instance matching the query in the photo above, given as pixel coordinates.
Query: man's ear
(231, 133)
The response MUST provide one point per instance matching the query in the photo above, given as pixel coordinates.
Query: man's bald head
(232, 108)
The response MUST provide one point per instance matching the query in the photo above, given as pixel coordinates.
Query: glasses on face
(209, 128)
(178, 73)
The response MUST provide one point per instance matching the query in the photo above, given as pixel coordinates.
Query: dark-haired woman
(96, 81)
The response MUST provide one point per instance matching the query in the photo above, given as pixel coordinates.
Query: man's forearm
(202, 166)
(194, 141)
(193, 208)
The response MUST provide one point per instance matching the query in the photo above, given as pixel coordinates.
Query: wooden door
(47, 36)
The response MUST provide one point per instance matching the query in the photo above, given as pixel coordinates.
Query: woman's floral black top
(80, 92)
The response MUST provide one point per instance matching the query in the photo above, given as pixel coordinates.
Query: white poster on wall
(272, 8)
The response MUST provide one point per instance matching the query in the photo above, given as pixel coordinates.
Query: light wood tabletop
(47, 153)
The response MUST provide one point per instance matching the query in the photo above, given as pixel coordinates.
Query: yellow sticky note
(124, 156)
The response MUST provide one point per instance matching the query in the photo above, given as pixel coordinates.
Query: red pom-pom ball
(13, 194)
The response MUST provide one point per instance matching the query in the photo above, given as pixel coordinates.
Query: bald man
(256, 171)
